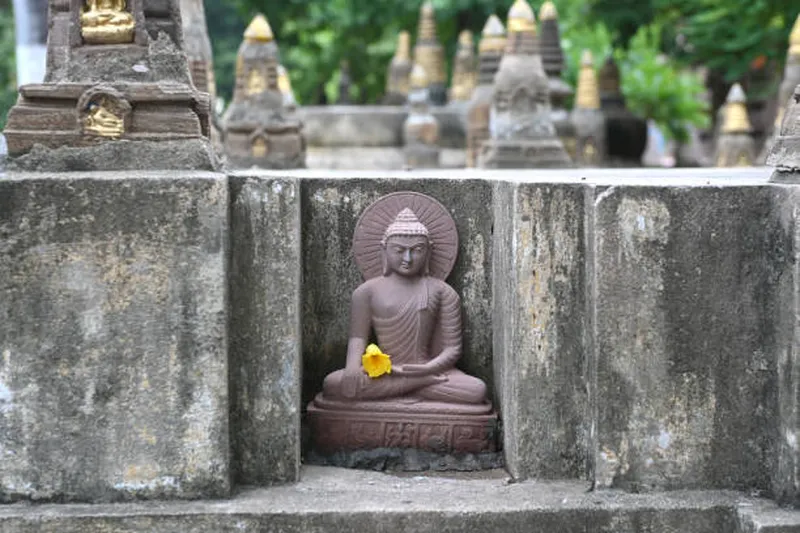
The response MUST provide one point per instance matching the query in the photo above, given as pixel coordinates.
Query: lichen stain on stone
(642, 221)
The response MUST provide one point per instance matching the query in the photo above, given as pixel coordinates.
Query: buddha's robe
(415, 331)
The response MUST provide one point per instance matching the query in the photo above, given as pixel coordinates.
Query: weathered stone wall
(113, 341)
(265, 342)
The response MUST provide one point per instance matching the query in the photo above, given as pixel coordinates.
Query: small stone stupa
(736, 147)
(429, 54)
(345, 81)
(590, 125)
(490, 52)
(397, 80)
(117, 93)
(791, 79)
(626, 134)
(421, 129)
(260, 129)
(553, 62)
(465, 71)
(522, 133)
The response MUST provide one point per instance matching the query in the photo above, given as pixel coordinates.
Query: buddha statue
(736, 146)
(106, 22)
(409, 375)
(522, 132)
(588, 120)
(397, 79)
(490, 52)
(465, 75)
(101, 121)
(420, 129)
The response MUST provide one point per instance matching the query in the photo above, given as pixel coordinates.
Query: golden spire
(493, 37)
(521, 18)
(465, 39)
(548, 11)
(794, 39)
(736, 119)
(258, 30)
(588, 94)
(419, 78)
(403, 52)
(284, 83)
(427, 23)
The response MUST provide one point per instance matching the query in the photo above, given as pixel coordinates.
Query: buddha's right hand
(350, 380)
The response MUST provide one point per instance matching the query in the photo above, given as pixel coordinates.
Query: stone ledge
(332, 499)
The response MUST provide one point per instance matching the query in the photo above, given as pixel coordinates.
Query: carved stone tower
(522, 133)
(397, 80)
(198, 46)
(260, 128)
(490, 52)
(626, 134)
(465, 73)
(791, 79)
(429, 54)
(421, 129)
(736, 147)
(553, 61)
(116, 71)
(590, 125)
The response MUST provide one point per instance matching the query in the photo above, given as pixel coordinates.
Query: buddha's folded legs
(459, 388)
(385, 387)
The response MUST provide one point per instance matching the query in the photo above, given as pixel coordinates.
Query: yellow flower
(375, 362)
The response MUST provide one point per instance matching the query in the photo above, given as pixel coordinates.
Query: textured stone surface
(331, 499)
(686, 282)
(331, 208)
(540, 328)
(113, 344)
(265, 288)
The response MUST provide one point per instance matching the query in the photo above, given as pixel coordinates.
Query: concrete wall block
(686, 281)
(540, 328)
(113, 343)
(265, 355)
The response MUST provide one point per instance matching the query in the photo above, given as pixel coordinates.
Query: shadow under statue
(405, 391)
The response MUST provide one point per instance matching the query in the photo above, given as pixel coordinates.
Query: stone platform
(335, 427)
(331, 500)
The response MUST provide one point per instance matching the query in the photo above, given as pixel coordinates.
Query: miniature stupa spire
(259, 30)
(791, 79)
(490, 52)
(588, 119)
(522, 132)
(735, 147)
(429, 54)
(465, 75)
(588, 92)
(421, 129)
(397, 79)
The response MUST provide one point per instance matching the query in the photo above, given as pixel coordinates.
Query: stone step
(331, 499)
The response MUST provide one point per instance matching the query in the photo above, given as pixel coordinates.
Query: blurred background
(673, 54)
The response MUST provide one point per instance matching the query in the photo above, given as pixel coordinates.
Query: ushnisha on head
(406, 245)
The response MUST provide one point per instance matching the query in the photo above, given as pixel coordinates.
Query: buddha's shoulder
(366, 288)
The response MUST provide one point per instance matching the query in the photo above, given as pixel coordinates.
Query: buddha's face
(407, 255)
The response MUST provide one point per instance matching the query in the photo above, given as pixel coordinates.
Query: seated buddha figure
(106, 22)
(416, 319)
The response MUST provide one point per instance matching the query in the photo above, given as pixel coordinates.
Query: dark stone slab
(330, 210)
(265, 354)
(686, 284)
(113, 342)
(540, 328)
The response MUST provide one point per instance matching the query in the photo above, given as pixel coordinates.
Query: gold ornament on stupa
(588, 92)
(493, 36)
(106, 22)
(429, 53)
(736, 118)
(259, 30)
(465, 73)
(521, 18)
(397, 78)
(548, 11)
(735, 147)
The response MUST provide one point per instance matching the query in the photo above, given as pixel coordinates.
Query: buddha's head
(406, 247)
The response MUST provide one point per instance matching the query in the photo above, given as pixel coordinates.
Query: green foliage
(657, 88)
(8, 75)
